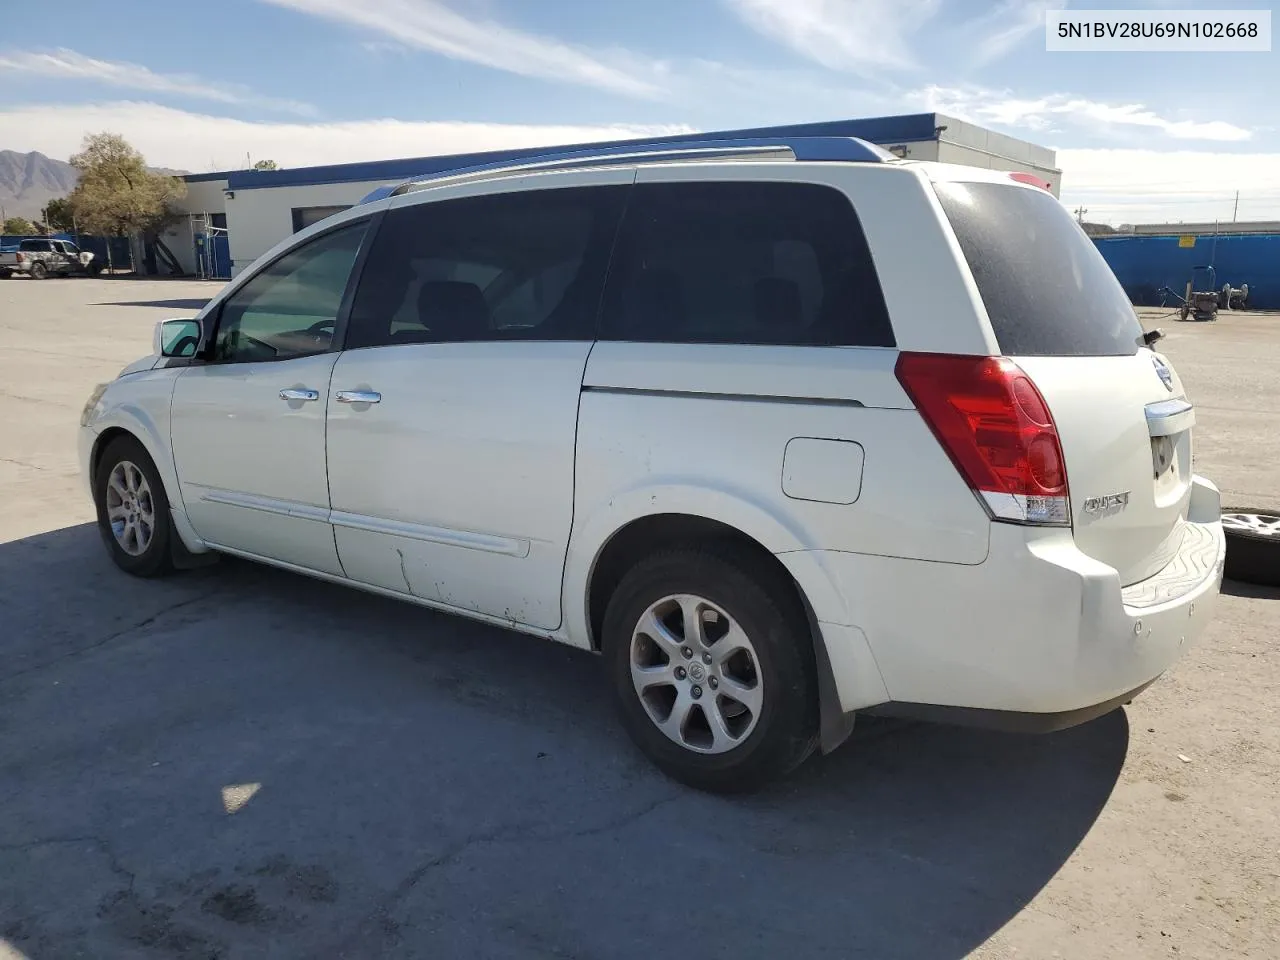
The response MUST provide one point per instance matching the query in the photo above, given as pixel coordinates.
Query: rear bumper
(1040, 633)
(1007, 721)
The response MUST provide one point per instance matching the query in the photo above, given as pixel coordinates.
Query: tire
(126, 468)
(1253, 545)
(5, 274)
(39, 271)
(764, 736)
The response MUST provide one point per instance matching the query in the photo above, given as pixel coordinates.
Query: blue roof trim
(882, 130)
(206, 177)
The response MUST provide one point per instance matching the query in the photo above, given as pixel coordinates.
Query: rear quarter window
(744, 263)
(1046, 287)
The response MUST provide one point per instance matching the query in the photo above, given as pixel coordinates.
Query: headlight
(91, 405)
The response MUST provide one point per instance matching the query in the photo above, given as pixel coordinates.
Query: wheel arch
(104, 440)
(132, 421)
(641, 532)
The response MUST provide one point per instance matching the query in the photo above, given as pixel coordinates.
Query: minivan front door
(249, 424)
(454, 409)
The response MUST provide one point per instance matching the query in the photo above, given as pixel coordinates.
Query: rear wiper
(1151, 336)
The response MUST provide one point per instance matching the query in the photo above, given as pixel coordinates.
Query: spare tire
(1253, 545)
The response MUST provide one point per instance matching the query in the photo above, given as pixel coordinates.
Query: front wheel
(712, 667)
(133, 510)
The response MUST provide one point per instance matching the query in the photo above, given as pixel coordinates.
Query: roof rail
(847, 149)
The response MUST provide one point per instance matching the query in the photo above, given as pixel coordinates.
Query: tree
(19, 226)
(58, 215)
(266, 165)
(116, 194)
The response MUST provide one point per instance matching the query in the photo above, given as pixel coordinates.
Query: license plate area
(1163, 455)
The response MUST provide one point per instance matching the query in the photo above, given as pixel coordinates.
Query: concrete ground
(239, 762)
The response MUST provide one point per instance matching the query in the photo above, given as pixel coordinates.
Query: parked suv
(790, 432)
(40, 257)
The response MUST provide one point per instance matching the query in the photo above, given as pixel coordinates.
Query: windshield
(1046, 287)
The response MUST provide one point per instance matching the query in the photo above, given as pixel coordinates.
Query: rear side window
(754, 263)
(1046, 287)
(35, 246)
(514, 266)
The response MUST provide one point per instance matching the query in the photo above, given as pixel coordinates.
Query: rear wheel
(133, 510)
(39, 271)
(712, 667)
(1253, 545)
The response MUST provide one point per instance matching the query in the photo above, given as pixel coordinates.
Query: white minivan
(784, 430)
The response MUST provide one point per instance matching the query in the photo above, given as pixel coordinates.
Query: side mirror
(176, 338)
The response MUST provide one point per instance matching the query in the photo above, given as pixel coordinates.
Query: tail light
(22, 258)
(997, 429)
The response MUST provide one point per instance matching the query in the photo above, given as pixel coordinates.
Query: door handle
(358, 396)
(295, 393)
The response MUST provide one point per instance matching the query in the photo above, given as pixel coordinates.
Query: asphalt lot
(239, 762)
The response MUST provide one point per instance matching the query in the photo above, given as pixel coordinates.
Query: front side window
(290, 308)
(744, 262)
(528, 265)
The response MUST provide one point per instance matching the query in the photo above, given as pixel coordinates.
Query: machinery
(1234, 298)
(1201, 302)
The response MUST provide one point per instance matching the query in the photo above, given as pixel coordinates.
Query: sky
(215, 86)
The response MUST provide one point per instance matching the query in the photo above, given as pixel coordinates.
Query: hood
(139, 365)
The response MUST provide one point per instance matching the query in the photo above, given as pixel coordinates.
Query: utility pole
(1080, 212)
(1235, 208)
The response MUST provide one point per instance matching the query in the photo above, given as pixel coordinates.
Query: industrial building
(230, 219)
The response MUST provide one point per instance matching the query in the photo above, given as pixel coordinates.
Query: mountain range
(30, 180)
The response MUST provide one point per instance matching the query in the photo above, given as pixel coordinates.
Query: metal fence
(1144, 265)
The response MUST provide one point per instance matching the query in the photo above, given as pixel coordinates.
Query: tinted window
(1046, 287)
(35, 246)
(289, 309)
(526, 265)
(779, 263)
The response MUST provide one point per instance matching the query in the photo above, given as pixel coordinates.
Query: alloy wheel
(130, 508)
(697, 674)
(1263, 525)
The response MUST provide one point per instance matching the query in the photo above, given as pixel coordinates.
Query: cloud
(1047, 114)
(178, 139)
(431, 25)
(1004, 26)
(69, 65)
(380, 48)
(864, 37)
(1158, 186)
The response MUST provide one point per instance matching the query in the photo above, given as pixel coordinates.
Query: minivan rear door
(1122, 415)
